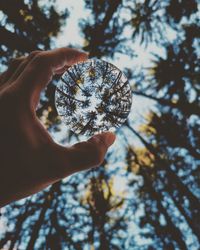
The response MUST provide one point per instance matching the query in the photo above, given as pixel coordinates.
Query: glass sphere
(93, 96)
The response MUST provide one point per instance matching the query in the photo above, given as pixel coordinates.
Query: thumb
(82, 155)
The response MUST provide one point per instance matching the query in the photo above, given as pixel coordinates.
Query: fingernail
(84, 52)
(109, 138)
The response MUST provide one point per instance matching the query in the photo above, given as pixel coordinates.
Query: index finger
(43, 66)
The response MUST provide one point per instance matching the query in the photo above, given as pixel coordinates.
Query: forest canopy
(146, 193)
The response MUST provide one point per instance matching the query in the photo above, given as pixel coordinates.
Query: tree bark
(183, 190)
(172, 230)
(186, 108)
(38, 224)
(98, 33)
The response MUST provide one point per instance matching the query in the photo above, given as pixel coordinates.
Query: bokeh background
(146, 194)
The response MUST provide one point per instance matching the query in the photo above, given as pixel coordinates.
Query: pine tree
(162, 152)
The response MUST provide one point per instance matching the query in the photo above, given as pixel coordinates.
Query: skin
(29, 158)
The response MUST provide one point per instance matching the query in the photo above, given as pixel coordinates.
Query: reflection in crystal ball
(92, 97)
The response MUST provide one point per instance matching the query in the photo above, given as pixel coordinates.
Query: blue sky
(71, 35)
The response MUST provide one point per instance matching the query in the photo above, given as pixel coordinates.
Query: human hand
(29, 159)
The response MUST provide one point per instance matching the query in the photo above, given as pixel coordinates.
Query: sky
(71, 35)
(140, 106)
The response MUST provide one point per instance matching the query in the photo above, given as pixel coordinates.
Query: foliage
(155, 162)
(87, 97)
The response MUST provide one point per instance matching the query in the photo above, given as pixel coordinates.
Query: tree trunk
(172, 230)
(193, 223)
(40, 220)
(101, 27)
(194, 204)
(186, 108)
(183, 189)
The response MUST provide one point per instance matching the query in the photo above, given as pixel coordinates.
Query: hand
(29, 159)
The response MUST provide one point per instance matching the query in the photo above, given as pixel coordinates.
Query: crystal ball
(93, 96)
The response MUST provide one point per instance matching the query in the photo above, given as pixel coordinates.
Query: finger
(81, 156)
(2, 77)
(40, 70)
(11, 69)
(62, 70)
(23, 64)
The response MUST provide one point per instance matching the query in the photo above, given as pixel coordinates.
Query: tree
(158, 155)
(108, 40)
(106, 210)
